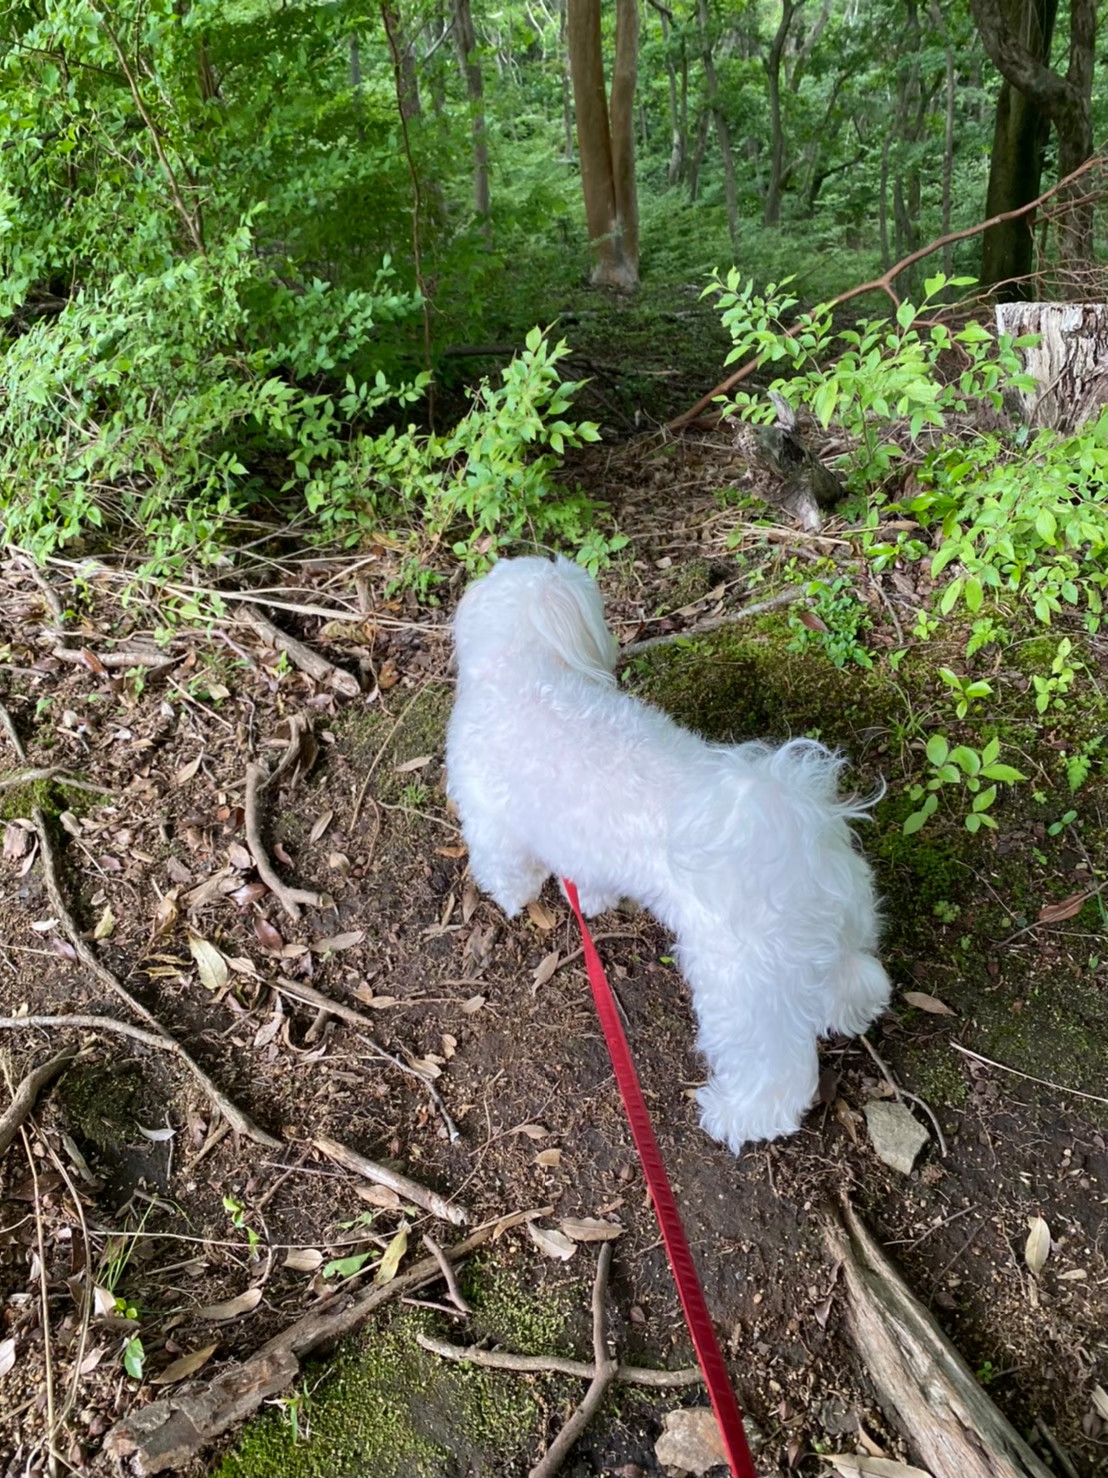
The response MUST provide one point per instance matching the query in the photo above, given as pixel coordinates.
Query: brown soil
(443, 979)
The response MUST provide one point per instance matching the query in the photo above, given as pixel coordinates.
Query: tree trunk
(703, 124)
(948, 137)
(622, 114)
(408, 89)
(613, 265)
(466, 41)
(677, 138)
(1070, 362)
(723, 133)
(772, 216)
(567, 106)
(1016, 35)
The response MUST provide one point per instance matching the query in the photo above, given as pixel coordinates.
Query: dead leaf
(265, 1034)
(590, 1229)
(548, 1158)
(540, 915)
(1100, 1402)
(430, 1065)
(303, 1259)
(211, 966)
(450, 851)
(17, 839)
(396, 1249)
(7, 1354)
(847, 1118)
(337, 942)
(470, 899)
(545, 970)
(1037, 1248)
(1065, 908)
(156, 1136)
(240, 857)
(105, 926)
(473, 1005)
(855, 1465)
(186, 772)
(811, 620)
(532, 1131)
(103, 1300)
(185, 1366)
(419, 763)
(378, 1195)
(268, 936)
(822, 1311)
(165, 915)
(449, 1045)
(924, 1002)
(551, 1243)
(233, 1308)
(321, 825)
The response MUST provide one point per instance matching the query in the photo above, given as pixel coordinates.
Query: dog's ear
(569, 616)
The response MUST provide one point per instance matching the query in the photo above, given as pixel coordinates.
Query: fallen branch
(308, 994)
(139, 657)
(884, 284)
(168, 1433)
(52, 772)
(631, 1375)
(1042, 1082)
(453, 1291)
(23, 1099)
(786, 597)
(951, 1425)
(8, 724)
(257, 778)
(403, 1185)
(304, 658)
(238, 1119)
(606, 1367)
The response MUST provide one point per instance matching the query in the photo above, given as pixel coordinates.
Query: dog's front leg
(505, 870)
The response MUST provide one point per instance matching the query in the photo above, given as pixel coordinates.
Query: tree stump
(1070, 363)
(952, 1427)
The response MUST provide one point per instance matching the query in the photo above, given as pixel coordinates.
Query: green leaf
(1006, 773)
(983, 801)
(134, 1357)
(974, 593)
(973, 823)
(937, 749)
(346, 1267)
(914, 822)
(968, 759)
(990, 752)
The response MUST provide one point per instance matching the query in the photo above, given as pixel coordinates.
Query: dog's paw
(860, 991)
(736, 1123)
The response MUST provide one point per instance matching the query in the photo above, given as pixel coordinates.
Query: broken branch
(632, 1375)
(303, 657)
(403, 1185)
(23, 1100)
(759, 608)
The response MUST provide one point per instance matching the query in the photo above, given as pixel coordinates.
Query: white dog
(742, 851)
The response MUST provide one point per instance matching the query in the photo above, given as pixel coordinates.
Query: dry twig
(300, 991)
(632, 1375)
(759, 608)
(452, 1289)
(403, 1185)
(304, 658)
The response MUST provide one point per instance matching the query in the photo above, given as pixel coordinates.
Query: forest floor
(120, 1185)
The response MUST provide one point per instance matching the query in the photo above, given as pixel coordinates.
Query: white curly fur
(743, 851)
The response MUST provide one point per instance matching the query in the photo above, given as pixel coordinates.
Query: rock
(895, 1134)
(691, 1441)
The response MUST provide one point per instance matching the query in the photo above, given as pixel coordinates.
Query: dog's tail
(568, 614)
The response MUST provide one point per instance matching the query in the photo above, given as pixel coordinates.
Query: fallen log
(951, 1426)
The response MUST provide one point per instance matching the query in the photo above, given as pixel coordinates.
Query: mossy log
(952, 1428)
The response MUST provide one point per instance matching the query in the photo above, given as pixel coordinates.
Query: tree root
(238, 1119)
(23, 1099)
(258, 777)
(304, 658)
(632, 1375)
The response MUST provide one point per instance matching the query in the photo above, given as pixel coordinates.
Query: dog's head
(534, 611)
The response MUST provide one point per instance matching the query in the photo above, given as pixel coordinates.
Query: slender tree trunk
(603, 160)
(723, 133)
(410, 106)
(883, 203)
(466, 41)
(703, 124)
(567, 105)
(948, 137)
(677, 141)
(772, 215)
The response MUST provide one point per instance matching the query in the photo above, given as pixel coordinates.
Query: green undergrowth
(385, 1407)
(51, 796)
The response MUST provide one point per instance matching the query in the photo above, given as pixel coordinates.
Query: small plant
(1050, 692)
(946, 913)
(134, 1356)
(237, 1212)
(986, 631)
(964, 769)
(965, 690)
(835, 624)
(415, 796)
(1057, 827)
(1078, 765)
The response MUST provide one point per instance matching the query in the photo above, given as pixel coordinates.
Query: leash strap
(697, 1318)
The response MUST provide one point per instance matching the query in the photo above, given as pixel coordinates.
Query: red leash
(697, 1317)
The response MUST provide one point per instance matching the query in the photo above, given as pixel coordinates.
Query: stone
(896, 1134)
(691, 1442)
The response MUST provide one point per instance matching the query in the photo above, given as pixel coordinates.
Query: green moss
(403, 734)
(53, 796)
(99, 1101)
(935, 1073)
(693, 582)
(382, 1406)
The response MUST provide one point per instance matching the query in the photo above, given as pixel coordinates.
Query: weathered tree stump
(1070, 361)
(952, 1427)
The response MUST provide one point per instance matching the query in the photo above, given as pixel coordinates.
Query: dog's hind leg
(859, 992)
(505, 870)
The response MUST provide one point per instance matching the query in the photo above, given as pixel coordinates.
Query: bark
(1016, 36)
(948, 136)
(603, 159)
(723, 132)
(466, 41)
(1070, 361)
(408, 89)
(772, 216)
(703, 124)
(677, 138)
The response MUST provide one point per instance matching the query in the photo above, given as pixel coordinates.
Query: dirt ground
(123, 1218)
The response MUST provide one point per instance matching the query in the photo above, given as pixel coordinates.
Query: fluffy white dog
(743, 851)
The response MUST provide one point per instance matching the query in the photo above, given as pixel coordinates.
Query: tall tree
(1017, 34)
(606, 139)
(466, 41)
(723, 131)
